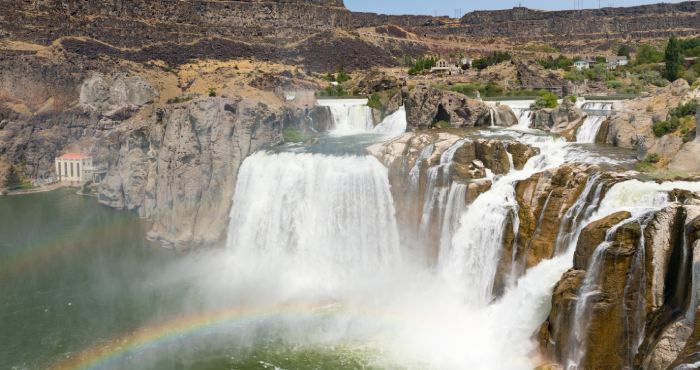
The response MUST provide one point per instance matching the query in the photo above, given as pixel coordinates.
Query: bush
(662, 128)
(341, 76)
(561, 62)
(613, 84)
(494, 59)
(419, 65)
(688, 109)
(180, 99)
(652, 158)
(212, 92)
(12, 180)
(374, 101)
(546, 100)
(337, 90)
(647, 54)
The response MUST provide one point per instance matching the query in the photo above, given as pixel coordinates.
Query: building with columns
(73, 167)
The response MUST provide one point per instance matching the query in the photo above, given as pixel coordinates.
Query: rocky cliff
(179, 168)
(523, 24)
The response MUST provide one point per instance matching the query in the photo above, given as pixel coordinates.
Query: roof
(73, 156)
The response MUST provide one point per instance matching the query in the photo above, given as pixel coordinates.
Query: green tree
(623, 50)
(647, 54)
(673, 59)
(12, 179)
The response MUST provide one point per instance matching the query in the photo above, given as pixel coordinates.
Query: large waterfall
(331, 220)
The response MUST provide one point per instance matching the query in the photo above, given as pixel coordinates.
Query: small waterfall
(589, 129)
(334, 213)
(597, 106)
(350, 116)
(393, 125)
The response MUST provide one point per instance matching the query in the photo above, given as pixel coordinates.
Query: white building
(582, 64)
(74, 167)
(616, 61)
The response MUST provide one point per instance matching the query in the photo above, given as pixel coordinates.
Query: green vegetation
(212, 92)
(647, 54)
(13, 180)
(336, 90)
(647, 165)
(546, 100)
(624, 50)
(673, 59)
(442, 124)
(561, 62)
(497, 57)
(681, 117)
(374, 101)
(421, 64)
(341, 76)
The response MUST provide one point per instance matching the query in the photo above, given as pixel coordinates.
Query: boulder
(426, 105)
(564, 120)
(687, 159)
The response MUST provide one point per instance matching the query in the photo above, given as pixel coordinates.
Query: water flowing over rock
(337, 211)
(179, 168)
(619, 306)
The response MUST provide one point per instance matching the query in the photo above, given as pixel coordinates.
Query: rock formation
(179, 168)
(564, 120)
(426, 106)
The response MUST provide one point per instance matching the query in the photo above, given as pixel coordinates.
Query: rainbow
(161, 334)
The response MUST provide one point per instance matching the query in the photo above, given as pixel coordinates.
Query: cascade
(597, 106)
(350, 116)
(393, 125)
(589, 129)
(334, 211)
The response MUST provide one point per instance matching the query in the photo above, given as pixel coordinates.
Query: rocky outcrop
(630, 125)
(426, 106)
(686, 159)
(564, 120)
(629, 292)
(522, 24)
(425, 167)
(115, 94)
(179, 168)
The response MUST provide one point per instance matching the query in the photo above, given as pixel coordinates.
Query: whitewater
(321, 230)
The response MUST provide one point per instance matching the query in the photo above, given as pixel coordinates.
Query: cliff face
(522, 24)
(179, 168)
(133, 23)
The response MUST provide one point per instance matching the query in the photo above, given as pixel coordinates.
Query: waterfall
(332, 211)
(393, 125)
(470, 264)
(597, 106)
(350, 116)
(589, 129)
(639, 198)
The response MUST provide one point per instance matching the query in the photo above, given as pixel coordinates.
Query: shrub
(662, 128)
(652, 158)
(13, 179)
(613, 84)
(374, 101)
(341, 76)
(561, 62)
(493, 59)
(647, 54)
(419, 65)
(688, 109)
(546, 100)
(212, 92)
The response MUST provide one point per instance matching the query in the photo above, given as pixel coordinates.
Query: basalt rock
(121, 92)
(564, 120)
(426, 106)
(179, 168)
